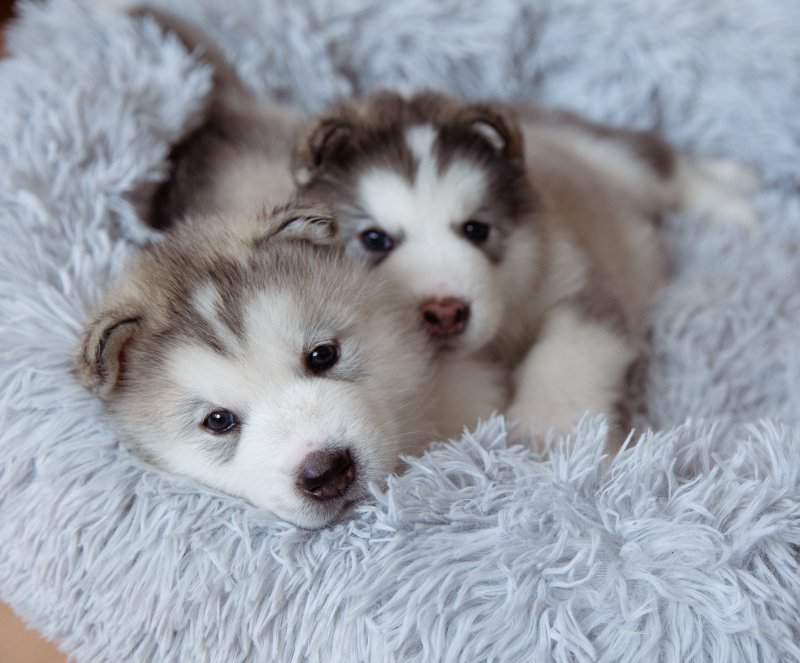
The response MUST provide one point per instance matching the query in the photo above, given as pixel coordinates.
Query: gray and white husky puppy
(245, 350)
(248, 353)
(527, 237)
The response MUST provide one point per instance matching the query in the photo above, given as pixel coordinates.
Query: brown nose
(326, 474)
(444, 317)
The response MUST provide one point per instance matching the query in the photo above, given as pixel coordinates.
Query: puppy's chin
(310, 514)
(463, 345)
(322, 515)
(451, 347)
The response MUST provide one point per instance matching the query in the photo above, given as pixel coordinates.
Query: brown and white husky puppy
(526, 236)
(244, 350)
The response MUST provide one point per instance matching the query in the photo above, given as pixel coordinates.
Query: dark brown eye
(220, 421)
(475, 231)
(322, 358)
(376, 241)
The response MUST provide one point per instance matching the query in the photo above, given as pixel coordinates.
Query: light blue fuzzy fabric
(684, 549)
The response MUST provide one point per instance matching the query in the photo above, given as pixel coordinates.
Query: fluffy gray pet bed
(685, 549)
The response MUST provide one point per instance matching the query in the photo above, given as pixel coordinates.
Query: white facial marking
(206, 301)
(420, 139)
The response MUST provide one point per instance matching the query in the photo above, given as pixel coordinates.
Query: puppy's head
(434, 193)
(252, 357)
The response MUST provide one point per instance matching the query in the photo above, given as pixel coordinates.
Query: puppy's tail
(717, 189)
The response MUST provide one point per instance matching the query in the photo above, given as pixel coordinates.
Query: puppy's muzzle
(326, 475)
(444, 317)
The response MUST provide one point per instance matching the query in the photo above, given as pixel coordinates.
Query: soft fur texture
(683, 549)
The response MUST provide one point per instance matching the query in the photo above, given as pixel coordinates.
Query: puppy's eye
(220, 421)
(322, 358)
(475, 231)
(376, 240)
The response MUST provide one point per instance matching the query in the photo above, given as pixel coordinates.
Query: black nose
(326, 474)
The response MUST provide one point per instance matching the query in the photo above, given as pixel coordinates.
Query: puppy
(249, 354)
(527, 237)
(244, 350)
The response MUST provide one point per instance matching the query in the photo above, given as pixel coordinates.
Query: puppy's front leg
(578, 364)
(468, 389)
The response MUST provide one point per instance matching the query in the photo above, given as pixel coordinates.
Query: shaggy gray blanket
(683, 549)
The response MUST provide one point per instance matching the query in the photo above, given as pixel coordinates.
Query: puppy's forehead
(406, 146)
(283, 324)
(445, 191)
(282, 312)
(272, 330)
(206, 297)
(408, 155)
(220, 316)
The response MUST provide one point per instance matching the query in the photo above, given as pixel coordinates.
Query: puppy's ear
(495, 126)
(315, 224)
(320, 144)
(100, 361)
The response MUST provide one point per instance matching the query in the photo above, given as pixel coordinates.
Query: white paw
(718, 188)
(731, 209)
(526, 434)
(730, 174)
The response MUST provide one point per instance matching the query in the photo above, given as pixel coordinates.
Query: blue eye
(220, 421)
(322, 358)
(476, 232)
(376, 240)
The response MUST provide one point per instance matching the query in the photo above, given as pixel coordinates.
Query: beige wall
(20, 645)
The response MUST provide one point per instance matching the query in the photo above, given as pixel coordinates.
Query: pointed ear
(100, 360)
(318, 146)
(495, 126)
(306, 223)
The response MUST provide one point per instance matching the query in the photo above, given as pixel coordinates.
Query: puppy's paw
(718, 189)
(730, 174)
(731, 209)
(535, 435)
